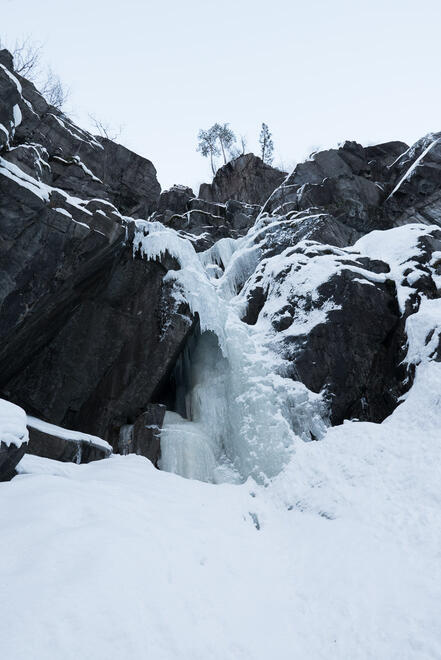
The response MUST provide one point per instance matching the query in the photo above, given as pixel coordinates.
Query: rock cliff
(95, 318)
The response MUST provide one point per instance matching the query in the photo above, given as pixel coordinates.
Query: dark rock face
(350, 183)
(381, 157)
(246, 179)
(64, 449)
(79, 311)
(143, 437)
(364, 380)
(416, 176)
(103, 350)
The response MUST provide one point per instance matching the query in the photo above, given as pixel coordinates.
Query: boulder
(176, 199)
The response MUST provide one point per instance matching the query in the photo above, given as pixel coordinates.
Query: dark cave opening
(173, 389)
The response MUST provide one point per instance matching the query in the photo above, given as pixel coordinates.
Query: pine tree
(266, 144)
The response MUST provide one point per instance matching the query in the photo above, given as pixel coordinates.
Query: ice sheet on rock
(13, 172)
(220, 253)
(17, 115)
(186, 449)
(13, 429)
(414, 165)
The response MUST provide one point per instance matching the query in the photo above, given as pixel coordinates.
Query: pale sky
(317, 72)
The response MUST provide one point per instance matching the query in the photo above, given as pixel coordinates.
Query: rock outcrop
(202, 222)
(245, 179)
(50, 441)
(346, 182)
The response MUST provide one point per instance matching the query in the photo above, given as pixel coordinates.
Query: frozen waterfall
(234, 414)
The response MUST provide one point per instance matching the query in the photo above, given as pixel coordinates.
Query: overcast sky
(317, 71)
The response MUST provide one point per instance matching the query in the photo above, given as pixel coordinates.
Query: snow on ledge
(67, 434)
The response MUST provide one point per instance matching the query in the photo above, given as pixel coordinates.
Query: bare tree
(236, 151)
(54, 91)
(226, 138)
(266, 144)
(208, 145)
(27, 57)
(106, 130)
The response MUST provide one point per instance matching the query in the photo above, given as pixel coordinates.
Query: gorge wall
(247, 318)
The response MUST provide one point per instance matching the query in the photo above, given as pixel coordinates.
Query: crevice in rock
(175, 384)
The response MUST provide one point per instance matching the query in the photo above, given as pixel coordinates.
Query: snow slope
(339, 557)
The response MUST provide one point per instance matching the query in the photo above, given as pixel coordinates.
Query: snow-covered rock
(13, 437)
(51, 441)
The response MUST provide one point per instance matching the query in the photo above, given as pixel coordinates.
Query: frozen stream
(238, 415)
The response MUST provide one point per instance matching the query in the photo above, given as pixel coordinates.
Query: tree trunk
(223, 151)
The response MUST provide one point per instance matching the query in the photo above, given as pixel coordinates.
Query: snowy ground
(116, 560)
(338, 556)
